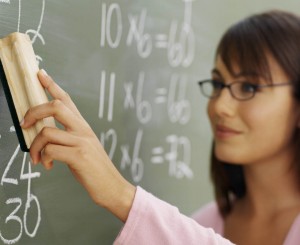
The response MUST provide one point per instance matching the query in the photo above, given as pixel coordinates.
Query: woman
(255, 116)
(255, 159)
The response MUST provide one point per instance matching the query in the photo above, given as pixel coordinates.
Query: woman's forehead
(222, 67)
(237, 67)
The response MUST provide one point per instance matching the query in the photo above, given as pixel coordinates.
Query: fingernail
(22, 122)
(44, 72)
(35, 162)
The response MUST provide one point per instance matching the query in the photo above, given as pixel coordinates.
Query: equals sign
(161, 96)
(157, 157)
(161, 41)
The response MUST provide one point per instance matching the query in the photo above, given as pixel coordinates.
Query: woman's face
(257, 130)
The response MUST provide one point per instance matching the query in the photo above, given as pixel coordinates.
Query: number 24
(30, 197)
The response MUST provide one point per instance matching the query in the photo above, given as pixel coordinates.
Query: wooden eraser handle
(21, 68)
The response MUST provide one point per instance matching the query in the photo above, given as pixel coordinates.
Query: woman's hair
(247, 44)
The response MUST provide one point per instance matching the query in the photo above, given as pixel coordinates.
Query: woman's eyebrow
(247, 74)
(237, 75)
(215, 71)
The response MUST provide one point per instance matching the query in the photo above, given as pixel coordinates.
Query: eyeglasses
(212, 88)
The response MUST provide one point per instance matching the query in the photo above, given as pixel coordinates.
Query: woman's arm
(80, 149)
(153, 221)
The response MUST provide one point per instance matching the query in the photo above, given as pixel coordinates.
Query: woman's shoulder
(209, 216)
(293, 236)
(207, 213)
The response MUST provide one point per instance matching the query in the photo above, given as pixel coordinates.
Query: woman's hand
(79, 148)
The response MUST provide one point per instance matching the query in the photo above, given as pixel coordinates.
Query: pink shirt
(209, 216)
(153, 221)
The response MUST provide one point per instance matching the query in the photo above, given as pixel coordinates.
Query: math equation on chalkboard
(178, 42)
(177, 47)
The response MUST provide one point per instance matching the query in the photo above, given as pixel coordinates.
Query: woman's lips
(224, 132)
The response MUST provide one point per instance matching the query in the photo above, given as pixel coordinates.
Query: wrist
(122, 202)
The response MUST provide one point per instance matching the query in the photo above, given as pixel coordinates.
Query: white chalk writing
(178, 45)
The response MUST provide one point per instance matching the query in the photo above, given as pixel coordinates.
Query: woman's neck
(268, 210)
(271, 186)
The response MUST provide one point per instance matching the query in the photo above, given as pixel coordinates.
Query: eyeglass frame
(223, 85)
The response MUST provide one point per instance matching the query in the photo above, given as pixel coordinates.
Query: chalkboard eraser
(22, 88)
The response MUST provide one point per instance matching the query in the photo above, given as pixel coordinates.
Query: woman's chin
(225, 155)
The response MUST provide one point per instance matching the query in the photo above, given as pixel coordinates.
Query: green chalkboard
(132, 69)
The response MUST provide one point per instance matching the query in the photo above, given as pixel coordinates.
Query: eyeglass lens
(239, 90)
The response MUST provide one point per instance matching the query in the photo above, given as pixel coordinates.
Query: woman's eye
(217, 85)
(248, 88)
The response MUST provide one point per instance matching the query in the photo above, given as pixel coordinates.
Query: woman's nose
(224, 104)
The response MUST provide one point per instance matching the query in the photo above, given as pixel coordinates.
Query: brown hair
(247, 44)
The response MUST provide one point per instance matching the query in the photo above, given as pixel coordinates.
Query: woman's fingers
(56, 91)
(50, 136)
(48, 165)
(53, 152)
(65, 112)
(56, 109)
